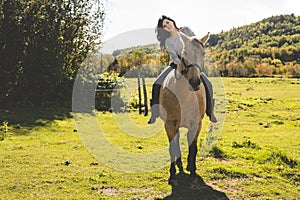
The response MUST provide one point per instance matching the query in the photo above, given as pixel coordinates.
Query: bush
(108, 89)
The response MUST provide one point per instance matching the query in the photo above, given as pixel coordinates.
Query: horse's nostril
(195, 81)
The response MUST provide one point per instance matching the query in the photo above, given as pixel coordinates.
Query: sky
(138, 18)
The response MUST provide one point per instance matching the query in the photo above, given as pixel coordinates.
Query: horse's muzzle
(194, 83)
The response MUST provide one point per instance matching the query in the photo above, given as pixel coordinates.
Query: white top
(174, 46)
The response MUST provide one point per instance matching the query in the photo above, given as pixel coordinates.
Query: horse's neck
(177, 83)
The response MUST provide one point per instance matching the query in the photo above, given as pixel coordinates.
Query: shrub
(108, 89)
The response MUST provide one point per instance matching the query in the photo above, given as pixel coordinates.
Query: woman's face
(168, 25)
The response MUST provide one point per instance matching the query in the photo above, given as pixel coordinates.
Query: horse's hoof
(192, 171)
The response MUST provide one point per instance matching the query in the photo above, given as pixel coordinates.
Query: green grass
(256, 155)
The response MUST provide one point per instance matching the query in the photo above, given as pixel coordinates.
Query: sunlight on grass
(256, 153)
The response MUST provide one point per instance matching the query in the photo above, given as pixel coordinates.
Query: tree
(43, 43)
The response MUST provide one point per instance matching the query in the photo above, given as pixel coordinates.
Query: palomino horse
(183, 103)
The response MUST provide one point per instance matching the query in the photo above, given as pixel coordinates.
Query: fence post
(145, 97)
(139, 90)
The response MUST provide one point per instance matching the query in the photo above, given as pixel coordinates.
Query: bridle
(187, 67)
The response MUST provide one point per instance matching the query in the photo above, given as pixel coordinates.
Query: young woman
(167, 35)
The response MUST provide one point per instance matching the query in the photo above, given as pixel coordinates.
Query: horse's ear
(204, 39)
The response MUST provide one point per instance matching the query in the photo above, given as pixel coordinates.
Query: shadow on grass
(29, 118)
(186, 191)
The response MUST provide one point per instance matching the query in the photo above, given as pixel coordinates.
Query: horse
(183, 104)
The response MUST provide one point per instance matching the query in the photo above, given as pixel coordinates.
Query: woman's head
(164, 25)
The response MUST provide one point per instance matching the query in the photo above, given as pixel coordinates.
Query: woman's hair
(161, 33)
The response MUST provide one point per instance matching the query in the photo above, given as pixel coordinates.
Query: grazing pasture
(256, 154)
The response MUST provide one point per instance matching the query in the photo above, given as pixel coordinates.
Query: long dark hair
(161, 33)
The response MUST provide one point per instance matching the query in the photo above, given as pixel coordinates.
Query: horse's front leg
(192, 136)
(171, 129)
(178, 152)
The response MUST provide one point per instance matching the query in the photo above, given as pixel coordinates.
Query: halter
(186, 67)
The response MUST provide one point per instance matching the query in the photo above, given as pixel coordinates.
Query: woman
(167, 35)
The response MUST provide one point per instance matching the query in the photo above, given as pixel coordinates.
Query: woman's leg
(155, 94)
(210, 103)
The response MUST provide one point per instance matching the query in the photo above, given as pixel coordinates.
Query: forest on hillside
(270, 47)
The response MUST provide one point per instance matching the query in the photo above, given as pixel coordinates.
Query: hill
(268, 47)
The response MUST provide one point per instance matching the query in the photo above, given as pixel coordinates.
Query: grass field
(257, 155)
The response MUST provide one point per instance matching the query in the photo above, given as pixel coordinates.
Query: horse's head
(192, 59)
